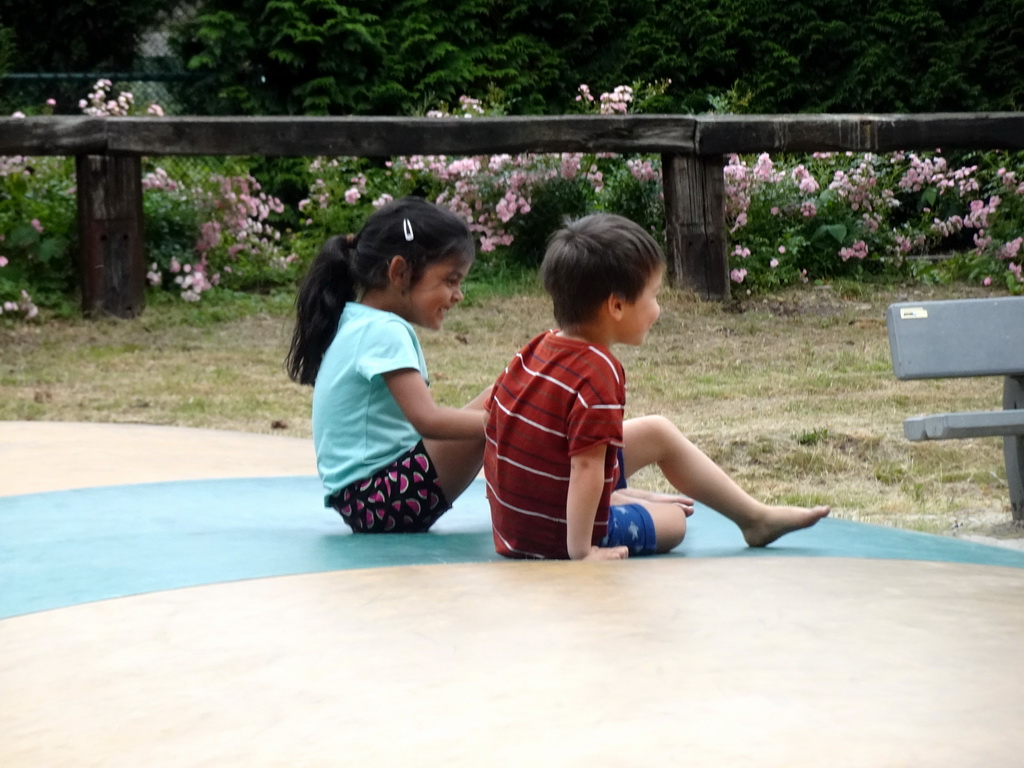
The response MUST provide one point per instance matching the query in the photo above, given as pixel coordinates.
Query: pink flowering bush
(979, 211)
(37, 227)
(214, 231)
(510, 202)
(101, 102)
(829, 215)
(203, 230)
(489, 192)
(791, 219)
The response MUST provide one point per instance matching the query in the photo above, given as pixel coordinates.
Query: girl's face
(437, 291)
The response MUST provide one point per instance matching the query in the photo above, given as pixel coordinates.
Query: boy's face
(638, 316)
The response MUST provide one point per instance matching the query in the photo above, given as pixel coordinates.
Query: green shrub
(37, 233)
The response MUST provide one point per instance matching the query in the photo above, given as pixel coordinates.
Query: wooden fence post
(695, 224)
(111, 267)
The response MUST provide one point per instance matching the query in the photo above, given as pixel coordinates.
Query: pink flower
(27, 306)
(764, 169)
(1011, 249)
(3, 261)
(808, 185)
(858, 250)
(570, 165)
(36, 225)
(987, 281)
(617, 101)
(805, 182)
(737, 275)
(351, 195)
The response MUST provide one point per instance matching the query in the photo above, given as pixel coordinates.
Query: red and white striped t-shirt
(557, 398)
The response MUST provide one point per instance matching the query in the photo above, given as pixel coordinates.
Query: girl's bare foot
(778, 521)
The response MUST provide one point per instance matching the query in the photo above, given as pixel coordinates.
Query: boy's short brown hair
(591, 258)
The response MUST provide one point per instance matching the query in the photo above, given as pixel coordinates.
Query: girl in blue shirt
(390, 458)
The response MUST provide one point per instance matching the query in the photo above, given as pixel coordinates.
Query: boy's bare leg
(656, 440)
(458, 462)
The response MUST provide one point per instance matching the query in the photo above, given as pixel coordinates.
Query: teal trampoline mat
(67, 547)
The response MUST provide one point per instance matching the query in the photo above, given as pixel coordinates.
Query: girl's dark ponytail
(327, 287)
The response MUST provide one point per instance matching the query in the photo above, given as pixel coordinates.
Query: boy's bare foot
(778, 521)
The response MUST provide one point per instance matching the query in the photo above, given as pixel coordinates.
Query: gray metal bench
(961, 338)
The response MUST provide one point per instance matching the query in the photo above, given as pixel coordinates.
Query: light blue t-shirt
(357, 425)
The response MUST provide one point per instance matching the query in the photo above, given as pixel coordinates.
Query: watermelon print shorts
(402, 497)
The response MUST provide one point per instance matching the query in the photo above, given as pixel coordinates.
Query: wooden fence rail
(108, 150)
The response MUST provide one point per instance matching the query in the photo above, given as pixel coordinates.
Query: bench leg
(1013, 448)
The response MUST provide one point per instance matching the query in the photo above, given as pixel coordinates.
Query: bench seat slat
(947, 426)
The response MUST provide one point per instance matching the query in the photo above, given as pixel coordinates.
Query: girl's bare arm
(427, 417)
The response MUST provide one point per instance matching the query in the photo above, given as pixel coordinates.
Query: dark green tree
(330, 57)
(6, 49)
(376, 57)
(879, 55)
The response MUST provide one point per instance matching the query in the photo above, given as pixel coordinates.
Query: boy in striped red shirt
(558, 448)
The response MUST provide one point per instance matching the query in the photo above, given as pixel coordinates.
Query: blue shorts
(631, 526)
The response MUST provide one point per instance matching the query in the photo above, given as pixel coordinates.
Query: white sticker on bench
(913, 313)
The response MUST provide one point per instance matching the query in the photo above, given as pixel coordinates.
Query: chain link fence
(62, 93)
(158, 81)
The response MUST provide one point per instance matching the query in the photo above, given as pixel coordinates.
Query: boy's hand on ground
(607, 553)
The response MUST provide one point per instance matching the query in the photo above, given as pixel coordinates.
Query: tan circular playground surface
(756, 661)
(717, 661)
(40, 456)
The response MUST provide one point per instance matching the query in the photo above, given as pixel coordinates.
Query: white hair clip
(407, 228)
